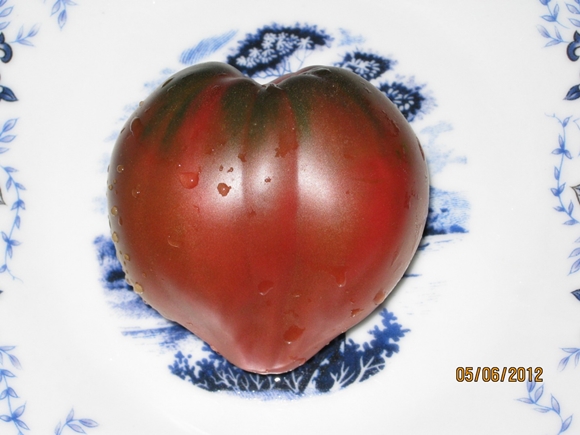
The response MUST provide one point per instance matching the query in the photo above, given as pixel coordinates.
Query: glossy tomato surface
(266, 219)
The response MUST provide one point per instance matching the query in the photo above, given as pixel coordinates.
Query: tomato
(266, 219)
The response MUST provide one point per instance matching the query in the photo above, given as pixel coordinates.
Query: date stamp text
(497, 374)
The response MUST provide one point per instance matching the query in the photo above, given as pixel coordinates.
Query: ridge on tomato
(266, 219)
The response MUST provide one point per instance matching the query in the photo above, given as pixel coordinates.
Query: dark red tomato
(266, 219)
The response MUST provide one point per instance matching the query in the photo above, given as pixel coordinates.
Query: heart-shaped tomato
(266, 219)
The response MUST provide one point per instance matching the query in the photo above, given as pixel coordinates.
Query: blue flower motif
(564, 154)
(6, 11)
(533, 398)
(6, 49)
(552, 16)
(9, 243)
(74, 424)
(553, 40)
(573, 9)
(341, 363)
(565, 206)
(571, 351)
(267, 52)
(23, 38)
(409, 100)
(571, 50)
(8, 394)
(59, 7)
(573, 93)
(18, 205)
(6, 94)
(367, 65)
(14, 416)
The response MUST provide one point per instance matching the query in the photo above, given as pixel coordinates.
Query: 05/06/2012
(495, 374)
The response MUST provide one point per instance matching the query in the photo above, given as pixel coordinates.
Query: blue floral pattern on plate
(558, 30)
(534, 398)
(11, 187)
(12, 413)
(555, 22)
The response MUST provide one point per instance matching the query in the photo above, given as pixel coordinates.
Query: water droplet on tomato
(356, 311)
(136, 191)
(221, 167)
(189, 179)
(120, 220)
(110, 186)
(114, 211)
(127, 257)
(136, 127)
(138, 288)
(292, 334)
(267, 179)
(120, 168)
(242, 157)
(231, 169)
(141, 103)
(173, 242)
(115, 237)
(380, 296)
(223, 189)
(264, 287)
(339, 274)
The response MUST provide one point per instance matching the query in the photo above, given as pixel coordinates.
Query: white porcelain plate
(481, 336)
